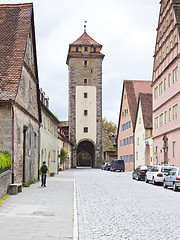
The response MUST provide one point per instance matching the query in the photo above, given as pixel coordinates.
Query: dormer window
(85, 49)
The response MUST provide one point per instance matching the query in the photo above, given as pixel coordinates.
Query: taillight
(159, 175)
(142, 172)
(177, 179)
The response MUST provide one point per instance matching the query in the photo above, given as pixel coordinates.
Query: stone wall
(5, 128)
(4, 182)
(93, 73)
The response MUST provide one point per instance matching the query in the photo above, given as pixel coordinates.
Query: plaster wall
(89, 120)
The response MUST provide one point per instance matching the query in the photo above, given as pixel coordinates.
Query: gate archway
(85, 154)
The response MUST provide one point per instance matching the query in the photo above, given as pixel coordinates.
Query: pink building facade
(166, 85)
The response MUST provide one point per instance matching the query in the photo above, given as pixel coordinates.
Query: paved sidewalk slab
(40, 212)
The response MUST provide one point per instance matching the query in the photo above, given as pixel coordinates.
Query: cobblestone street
(113, 206)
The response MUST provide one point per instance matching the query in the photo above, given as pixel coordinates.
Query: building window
(156, 93)
(77, 49)
(120, 143)
(161, 120)
(169, 80)
(174, 148)
(165, 117)
(137, 141)
(175, 75)
(164, 84)
(85, 95)
(160, 88)
(86, 49)
(139, 120)
(171, 45)
(94, 49)
(175, 111)
(136, 156)
(156, 123)
(175, 39)
(85, 112)
(169, 114)
(85, 63)
(85, 81)
(85, 129)
(124, 142)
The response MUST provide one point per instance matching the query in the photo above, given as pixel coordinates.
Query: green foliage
(26, 185)
(5, 160)
(4, 198)
(63, 155)
(35, 181)
(109, 128)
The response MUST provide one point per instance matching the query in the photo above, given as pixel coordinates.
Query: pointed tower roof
(85, 39)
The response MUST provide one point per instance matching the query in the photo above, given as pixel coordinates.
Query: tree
(63, 155)
(109, 128)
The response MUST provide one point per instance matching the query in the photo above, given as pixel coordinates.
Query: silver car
(172, 179)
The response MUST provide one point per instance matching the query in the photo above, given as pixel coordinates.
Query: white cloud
(127, 30)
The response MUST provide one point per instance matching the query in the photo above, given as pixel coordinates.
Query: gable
(139, 124)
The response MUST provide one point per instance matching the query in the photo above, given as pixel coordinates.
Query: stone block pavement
(40, 213)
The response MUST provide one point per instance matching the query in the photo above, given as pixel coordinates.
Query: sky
(126, 29)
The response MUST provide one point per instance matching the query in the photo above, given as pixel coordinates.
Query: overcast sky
(126, 29)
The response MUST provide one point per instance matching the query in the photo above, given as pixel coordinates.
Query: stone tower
(84, 62)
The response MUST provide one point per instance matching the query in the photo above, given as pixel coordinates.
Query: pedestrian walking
(43, 171)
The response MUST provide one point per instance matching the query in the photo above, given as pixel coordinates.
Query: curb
(75, 228)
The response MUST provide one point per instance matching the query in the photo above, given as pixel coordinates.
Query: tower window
(94, 49)
(85, 80)
(85, 95)
(85, 112)
(85, 63)
(77, 49)
(85, 49)
(85, 129)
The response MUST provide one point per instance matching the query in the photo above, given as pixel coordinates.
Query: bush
(5, 160)
(63, 155)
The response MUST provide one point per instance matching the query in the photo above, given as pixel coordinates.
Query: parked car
(102, 167)
(107, 166)
(156, 173)
(117, 165)
(140, 172)
(172, 179)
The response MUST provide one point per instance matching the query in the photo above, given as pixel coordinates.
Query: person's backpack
(44, 169)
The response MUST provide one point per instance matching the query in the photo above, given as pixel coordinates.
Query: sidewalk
(40, 213)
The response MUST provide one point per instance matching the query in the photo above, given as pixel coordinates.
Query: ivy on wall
(5, 161)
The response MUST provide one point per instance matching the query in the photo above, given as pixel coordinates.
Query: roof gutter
(12, 155)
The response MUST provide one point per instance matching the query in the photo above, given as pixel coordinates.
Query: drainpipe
(12, 108)
(39, 149)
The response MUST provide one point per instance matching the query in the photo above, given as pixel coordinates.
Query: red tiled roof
(133, 88)
(85, 39)
(15, 21)
(146, 105)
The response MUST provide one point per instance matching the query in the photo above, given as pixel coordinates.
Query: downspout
(12, 160)
(39, 149)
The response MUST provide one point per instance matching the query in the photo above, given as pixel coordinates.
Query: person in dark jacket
(43, 171)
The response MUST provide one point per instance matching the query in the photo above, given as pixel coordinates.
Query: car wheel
(164, 184)
(174, 186)
(146, 180)
(138, 178)
(154, 182)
